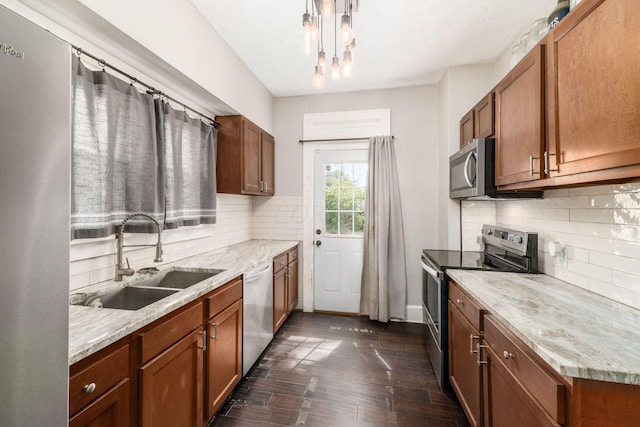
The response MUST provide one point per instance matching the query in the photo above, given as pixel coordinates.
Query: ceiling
(399, 42)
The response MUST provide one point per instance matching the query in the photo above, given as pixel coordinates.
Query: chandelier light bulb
(327, 8)
(347, 64)
(345, 34)
(322, 61)
(335, 68)
(314, 30)
(318, 81)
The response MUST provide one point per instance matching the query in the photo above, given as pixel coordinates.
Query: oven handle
(432, 271)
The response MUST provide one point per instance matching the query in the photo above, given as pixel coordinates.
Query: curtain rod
(150, 89)
(302, 141)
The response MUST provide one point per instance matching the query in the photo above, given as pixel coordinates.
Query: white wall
(415, 125)
(167, 41)
(460, 89)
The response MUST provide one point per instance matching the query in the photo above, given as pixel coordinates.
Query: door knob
(318, 242)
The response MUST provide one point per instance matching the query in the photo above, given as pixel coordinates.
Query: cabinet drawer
(292, 254)
(466, 305)
(224, 296)
(279, 262)
(166, 333)
(104, 374)
(541, 384)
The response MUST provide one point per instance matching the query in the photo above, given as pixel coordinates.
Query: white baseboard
(414, 315)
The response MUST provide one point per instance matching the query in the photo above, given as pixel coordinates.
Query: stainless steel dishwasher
(257, 317)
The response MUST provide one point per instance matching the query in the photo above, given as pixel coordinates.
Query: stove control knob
(487, 231)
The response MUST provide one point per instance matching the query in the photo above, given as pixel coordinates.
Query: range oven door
(434, 292)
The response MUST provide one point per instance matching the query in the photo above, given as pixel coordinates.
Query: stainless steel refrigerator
(35, 155)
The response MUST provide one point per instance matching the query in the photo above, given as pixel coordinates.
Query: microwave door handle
(466, 169)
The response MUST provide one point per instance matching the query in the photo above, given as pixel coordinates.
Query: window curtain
(384, 282)
(187, 150)
(115, 163)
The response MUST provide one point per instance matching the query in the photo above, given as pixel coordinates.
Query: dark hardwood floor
(329, 370)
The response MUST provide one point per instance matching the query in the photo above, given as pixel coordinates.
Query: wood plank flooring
(334, 371)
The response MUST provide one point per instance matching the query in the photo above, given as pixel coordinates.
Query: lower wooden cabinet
(464, 371)
(285, 286)
(292, 285)
(279, 298)
(176, 371)
(224, 356)
(109, 410)
(171, 385)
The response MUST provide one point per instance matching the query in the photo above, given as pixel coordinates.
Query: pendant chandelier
(314, 23)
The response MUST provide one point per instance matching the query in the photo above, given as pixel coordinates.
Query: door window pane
(345, 186)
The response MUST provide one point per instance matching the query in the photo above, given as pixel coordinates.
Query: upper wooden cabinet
(479, 122)
(593, 89)
(567, 114)
(484, 126)
(245, 157)
(520, 120)
(467, 128)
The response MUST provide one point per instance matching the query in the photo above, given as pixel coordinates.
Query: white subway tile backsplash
(591, 215)
(240, 218)
(598, 225)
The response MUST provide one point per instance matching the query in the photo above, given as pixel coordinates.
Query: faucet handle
(128, 266)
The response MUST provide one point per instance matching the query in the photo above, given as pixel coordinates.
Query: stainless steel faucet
(120, 271)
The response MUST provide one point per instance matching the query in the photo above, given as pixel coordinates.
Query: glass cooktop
(466, 260)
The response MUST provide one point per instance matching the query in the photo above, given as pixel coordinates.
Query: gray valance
(133, 154)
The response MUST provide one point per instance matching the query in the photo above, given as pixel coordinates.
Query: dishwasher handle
(258, 272)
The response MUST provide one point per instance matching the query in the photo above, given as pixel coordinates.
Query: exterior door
(339, 200)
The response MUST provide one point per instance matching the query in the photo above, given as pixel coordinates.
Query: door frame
(308, 226)
(331, 125)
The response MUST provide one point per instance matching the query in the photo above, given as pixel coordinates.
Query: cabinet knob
(459, 301)
(89, 388)
(507, 355)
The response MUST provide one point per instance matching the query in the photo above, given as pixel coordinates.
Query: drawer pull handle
(203, 334)
(479, 360)
(215, 331)
(471, 339)
(459, 301)
(507, 355)
(89, 388)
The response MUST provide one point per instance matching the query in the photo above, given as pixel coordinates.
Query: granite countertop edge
(580, 334)
(92, 329)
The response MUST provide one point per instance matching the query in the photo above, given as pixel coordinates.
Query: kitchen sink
(130, 298)
(178, 279)
(144, 292)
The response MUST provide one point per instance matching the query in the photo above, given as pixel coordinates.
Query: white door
(339, 195)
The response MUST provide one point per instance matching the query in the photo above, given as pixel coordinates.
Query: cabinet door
(171, 385)
(224, 356)
(292, 286)
(485, 117)
(464, 372)
(279, 298)
(467, 128)
(506, 402)
(594, 74)
(520, 121)
(109, 410)
(250, 158)
(268, 176)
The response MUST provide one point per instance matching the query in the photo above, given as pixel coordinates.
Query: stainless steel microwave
(472, 173)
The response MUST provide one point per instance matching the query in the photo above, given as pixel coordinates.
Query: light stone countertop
(92, 329)
(578, 333)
